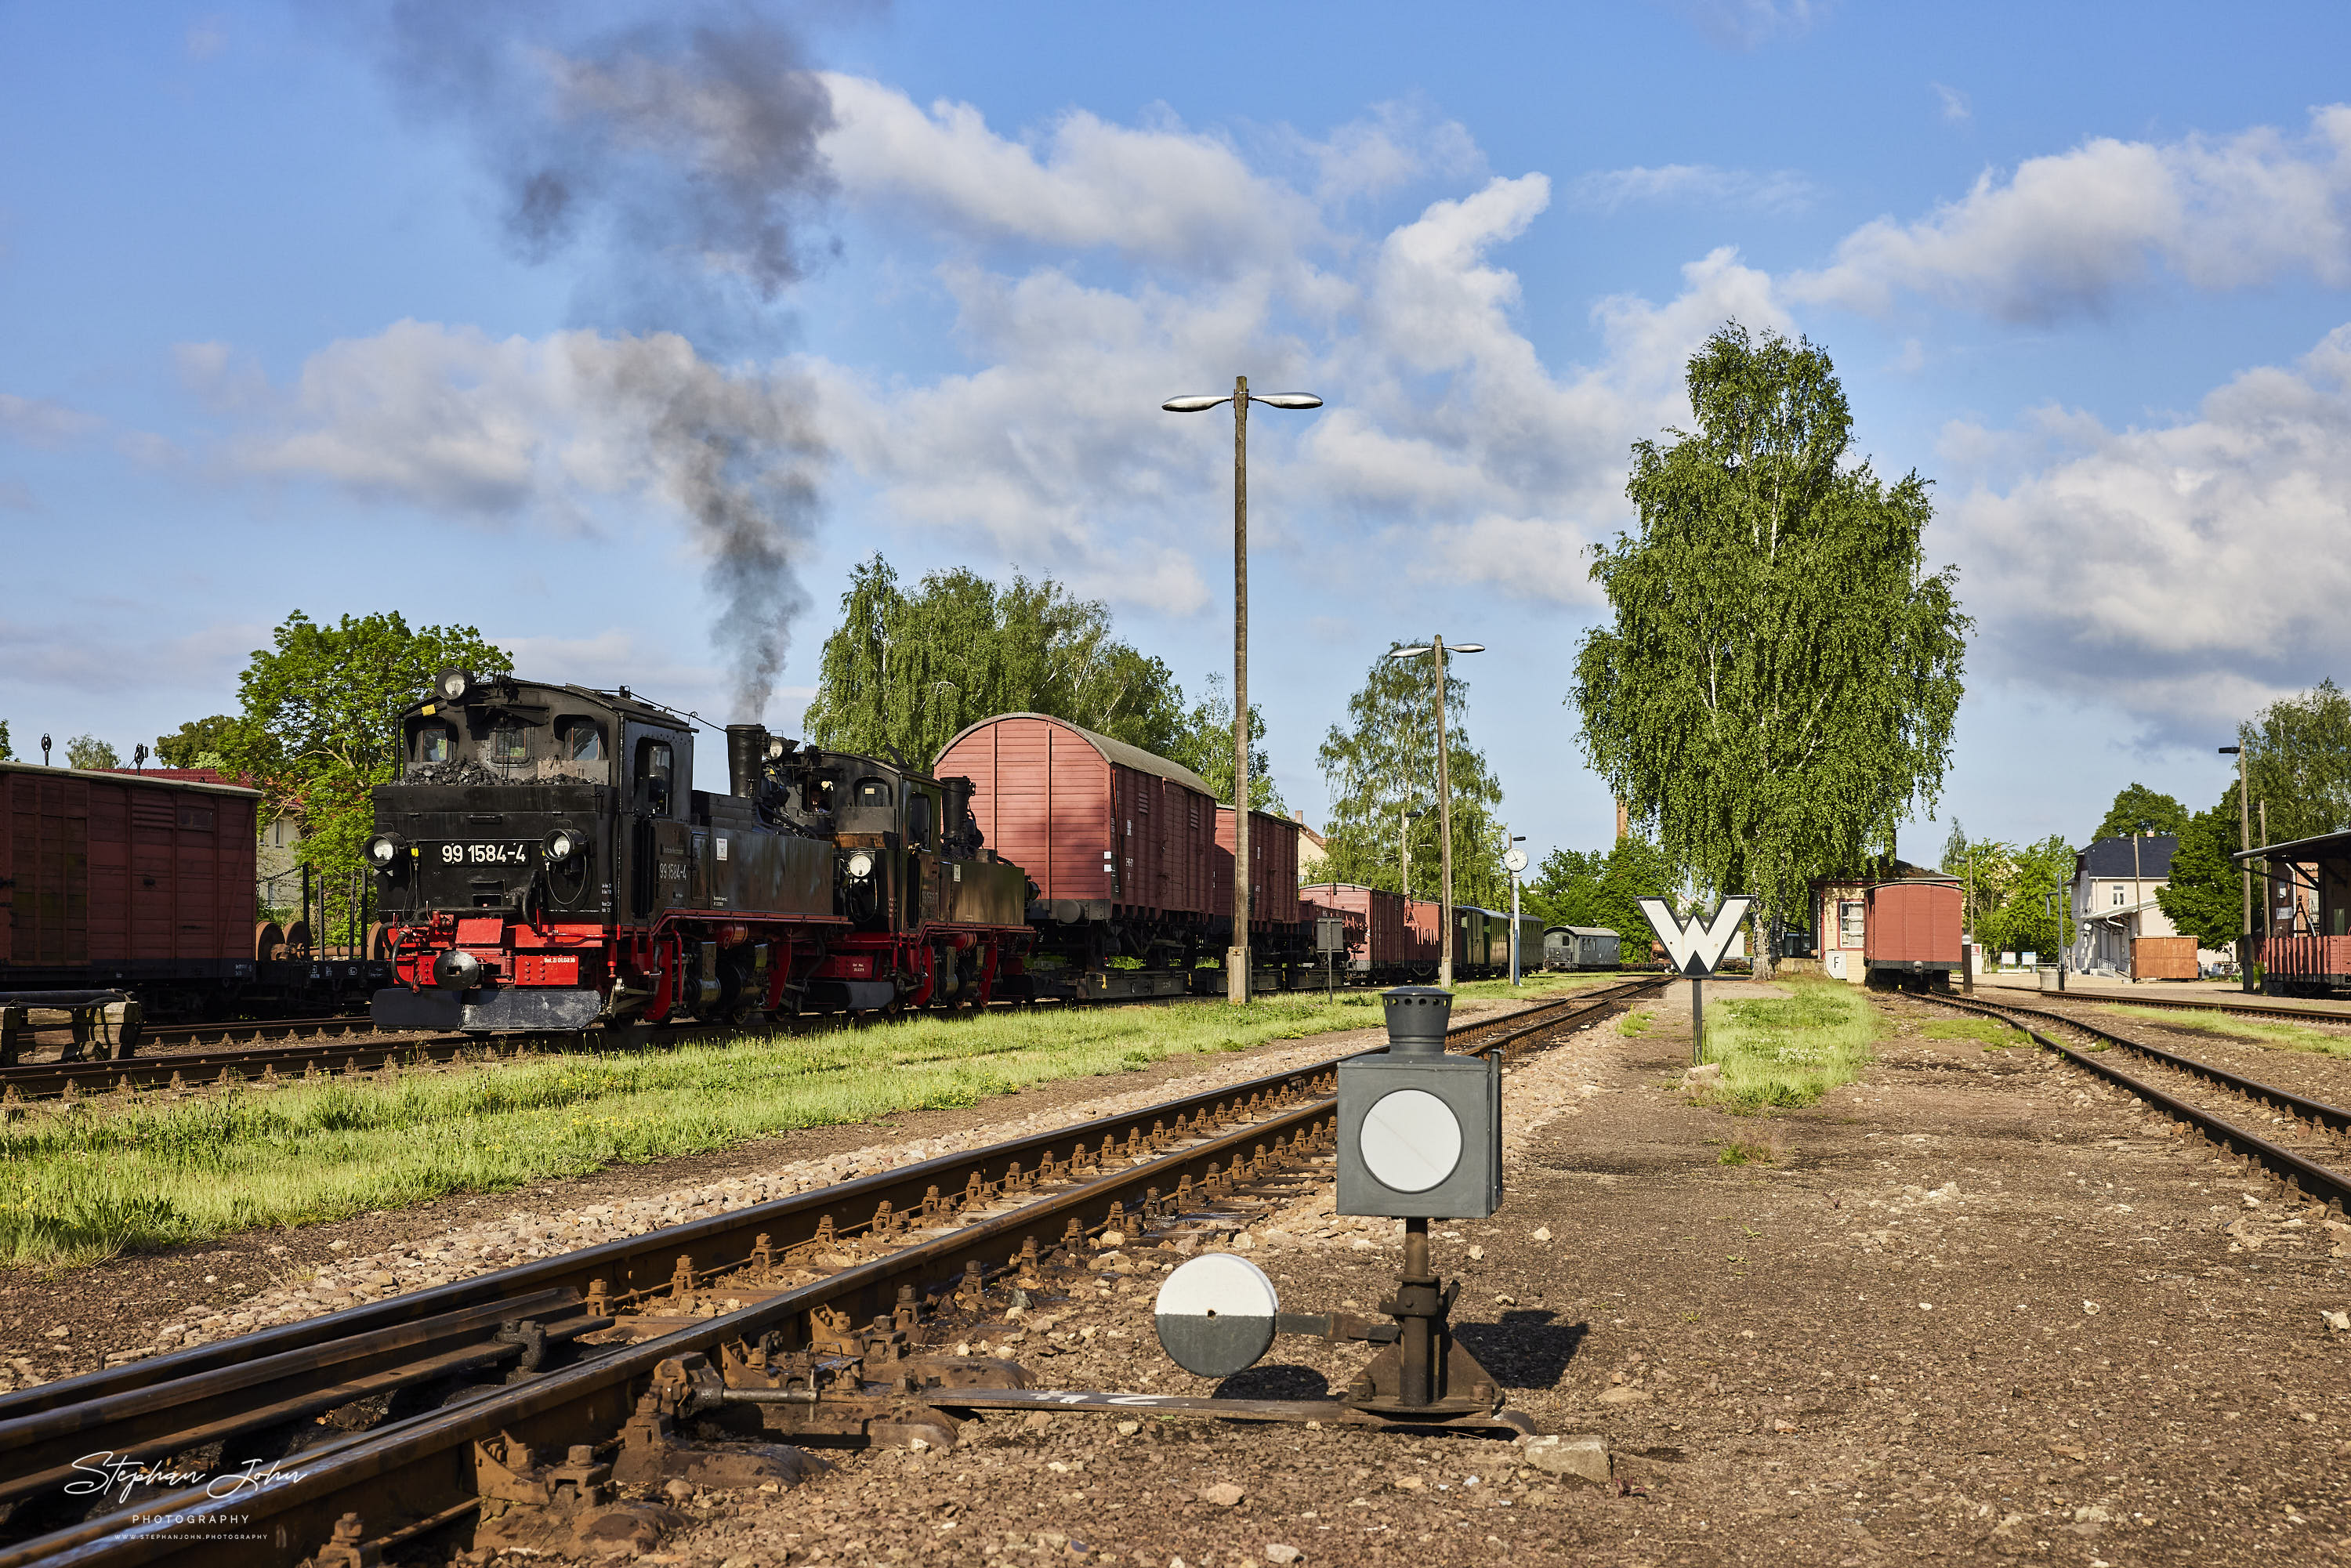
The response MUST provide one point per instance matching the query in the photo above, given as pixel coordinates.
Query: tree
(2298, 762)
(905, 672)
(1988, 870)
(2205, 897)
(188, 746)
(6, 753)
(319, 726)
(1205, 747)
(1585, 888)
(88, 751)
(2020, 921)
(1779, 678)
(2137, 804)
(1387, 760)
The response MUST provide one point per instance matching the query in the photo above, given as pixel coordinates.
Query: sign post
(1694, 949)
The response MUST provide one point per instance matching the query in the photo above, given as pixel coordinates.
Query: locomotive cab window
(919, 820)
(509, 744)
(872, 792)
(653, 769)
(580, 740)
(432, 743)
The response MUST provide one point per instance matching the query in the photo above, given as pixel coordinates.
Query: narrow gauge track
(2317, 1125)
(324, 1046)
(826, 1287)
(2274, 1009)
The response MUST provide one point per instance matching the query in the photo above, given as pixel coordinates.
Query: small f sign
(1695, 949)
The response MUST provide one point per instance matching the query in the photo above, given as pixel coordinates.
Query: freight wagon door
(49, 827)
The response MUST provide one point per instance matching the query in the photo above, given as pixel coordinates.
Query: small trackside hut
(2306, 949)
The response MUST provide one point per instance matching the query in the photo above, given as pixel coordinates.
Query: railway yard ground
(1970, 1304)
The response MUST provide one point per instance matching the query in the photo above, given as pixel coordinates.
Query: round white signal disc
(1410, 1141)
(1215, 1314)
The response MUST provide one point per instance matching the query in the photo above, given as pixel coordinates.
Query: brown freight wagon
(1273, 880)
(115, 882)
(1379, 942)
(1912, 935)
(1119, 843)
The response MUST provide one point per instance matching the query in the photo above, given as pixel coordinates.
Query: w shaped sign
(1695, 949)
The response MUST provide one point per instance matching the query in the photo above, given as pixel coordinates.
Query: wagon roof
(1116, 751)
(1583, 931)
(160, 779)
(2325, 846)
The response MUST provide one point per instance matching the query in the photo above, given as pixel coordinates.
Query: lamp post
(1236, 967)
(2138, 897)
(1437, 650)
(45, 748)
(1404, 843)
(2245, 843)
(1514, 860)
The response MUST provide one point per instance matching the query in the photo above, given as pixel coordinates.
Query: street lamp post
(1437, 650)
(2245, 843)
(1236, 964)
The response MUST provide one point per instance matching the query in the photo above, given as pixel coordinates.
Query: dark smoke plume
(679, 157)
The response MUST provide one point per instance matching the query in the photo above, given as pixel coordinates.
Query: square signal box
(1420, 1133)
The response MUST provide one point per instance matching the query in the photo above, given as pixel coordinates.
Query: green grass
(134, 1172)
(1983, 1032)
(1632, 1026)
(1533, 983)
(2262, 1031)
(1781, 1053)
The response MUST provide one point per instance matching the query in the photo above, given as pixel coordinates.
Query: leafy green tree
(1780, 674)
(2021, 922)
(1384, 760)
(1585, 888)
(905, 672)
(2298, 762)
(1205, 747)
(319, 724)
(2205, 897)
(2137, 804)
(6, 753)
(88, 751)
(188, 746)
(1988, 870)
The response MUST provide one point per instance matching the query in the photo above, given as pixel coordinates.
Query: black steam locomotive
(544, 863)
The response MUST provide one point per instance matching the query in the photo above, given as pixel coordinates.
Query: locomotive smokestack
(746, 756)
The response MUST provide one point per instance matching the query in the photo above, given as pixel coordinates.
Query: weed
(1780, 1053)
(1633, 1025)
(1738, 1153)
(2262, 1031)
(1986, 1032)
(79, 1183)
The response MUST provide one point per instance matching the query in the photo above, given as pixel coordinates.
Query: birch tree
(1777, 683)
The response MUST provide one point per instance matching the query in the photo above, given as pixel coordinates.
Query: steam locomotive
(544, 863)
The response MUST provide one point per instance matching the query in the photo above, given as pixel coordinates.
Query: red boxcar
(1912, 931)
(1101, 827)
(115, 881)
(1273, 882)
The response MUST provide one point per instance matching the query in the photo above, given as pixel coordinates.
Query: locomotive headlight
(860, 865)
(453, 685)
(562, 844)
(383, 851)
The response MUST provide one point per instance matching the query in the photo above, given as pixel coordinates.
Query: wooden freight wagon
(1382, 945)
(113, 882)
(1273, 877)
(1120, 846)
(1912, 932)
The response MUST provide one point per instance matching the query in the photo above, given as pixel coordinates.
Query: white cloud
(1957, 109)
(2187, 572)
(42, 421)
(2067, 234)
(1779, 191)
(1745, 24)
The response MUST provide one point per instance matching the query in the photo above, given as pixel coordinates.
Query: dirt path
(1975, 1309)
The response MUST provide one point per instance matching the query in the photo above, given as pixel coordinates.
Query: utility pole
(2245, 870)
(1436, 649)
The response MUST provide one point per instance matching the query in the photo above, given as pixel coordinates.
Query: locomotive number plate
(488, 854)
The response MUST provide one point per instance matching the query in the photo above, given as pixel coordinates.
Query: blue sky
(292, 316)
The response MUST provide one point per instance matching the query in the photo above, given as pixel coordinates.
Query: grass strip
(1985, 1032)
(2262, 1031)
(132, 1171)
(1785, 1052)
